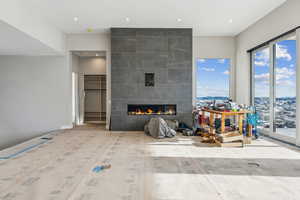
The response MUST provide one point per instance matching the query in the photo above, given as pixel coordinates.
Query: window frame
(272, 86)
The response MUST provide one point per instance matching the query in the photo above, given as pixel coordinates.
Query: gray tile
(180, 32)
(123, 32)
(178, 75)
(123, 60)
(150, 32)
(180, 44)
(123, 45)
(152, 44)
(152, 60)
(165, 52)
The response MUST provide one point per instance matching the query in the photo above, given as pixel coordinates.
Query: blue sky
(213, 77)
(285, 68)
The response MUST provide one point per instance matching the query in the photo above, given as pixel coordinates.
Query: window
(261, 91)
(285, 87)
(274, 87)
(212, 80)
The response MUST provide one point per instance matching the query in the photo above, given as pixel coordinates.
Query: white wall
(94, 42)
(88, 42)
(92, 66)
(282, 19)
(214, 47)
(34, 97)
(15, 13)
(75, 63)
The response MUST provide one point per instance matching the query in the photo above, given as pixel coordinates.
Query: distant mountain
(211, 98)
(279, 98)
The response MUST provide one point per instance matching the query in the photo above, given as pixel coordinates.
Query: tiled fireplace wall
(165, 52)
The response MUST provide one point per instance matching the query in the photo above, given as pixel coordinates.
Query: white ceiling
(16, 42)
(206, 17)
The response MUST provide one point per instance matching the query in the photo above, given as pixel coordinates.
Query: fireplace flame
(139, 112)
(151, 111)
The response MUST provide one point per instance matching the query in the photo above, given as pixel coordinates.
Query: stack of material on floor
(230, 139)
(159, 128)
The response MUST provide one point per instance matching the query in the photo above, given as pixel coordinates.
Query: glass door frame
(263, 131)
(272, 52)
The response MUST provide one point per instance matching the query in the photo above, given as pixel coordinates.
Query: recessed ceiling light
(76, 19)
(127, 19)
(230, 21)
(179, 20)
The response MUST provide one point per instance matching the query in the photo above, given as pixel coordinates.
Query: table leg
(223, 123)
(241, 118)
(202, 119)
(250, 130)
(211, 119)
(211, 125)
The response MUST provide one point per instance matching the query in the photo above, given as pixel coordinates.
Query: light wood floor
(144, 168)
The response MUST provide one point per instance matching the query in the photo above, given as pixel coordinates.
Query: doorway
(95, 98)
(90, 67)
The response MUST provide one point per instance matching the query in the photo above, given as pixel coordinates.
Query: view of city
(213, 84)
(285, 115)
(203, 101)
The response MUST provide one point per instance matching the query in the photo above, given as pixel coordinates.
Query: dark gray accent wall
(165, 52)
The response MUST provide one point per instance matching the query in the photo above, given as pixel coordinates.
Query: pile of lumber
(230, 139)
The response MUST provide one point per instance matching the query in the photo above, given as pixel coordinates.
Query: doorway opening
(91, 92)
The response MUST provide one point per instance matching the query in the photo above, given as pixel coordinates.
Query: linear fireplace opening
(150, 109)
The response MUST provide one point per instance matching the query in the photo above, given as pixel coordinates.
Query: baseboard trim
(66, 127)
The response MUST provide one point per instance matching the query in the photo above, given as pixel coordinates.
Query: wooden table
(224, 114)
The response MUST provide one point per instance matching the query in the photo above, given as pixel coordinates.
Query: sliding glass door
(285, 87)
(261, 90)
(274, 87)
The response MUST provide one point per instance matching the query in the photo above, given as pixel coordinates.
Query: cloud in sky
(208, 69)
(213, 92)
(221, 61)
(261, 63)
(262, 58)
(284, 73)
(263, 55)
(262, 77)
(226, 72)
(211, 79)
(285, 83)
(282, 52)
(283, 77)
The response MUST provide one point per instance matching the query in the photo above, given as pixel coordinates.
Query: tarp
(158, 128)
